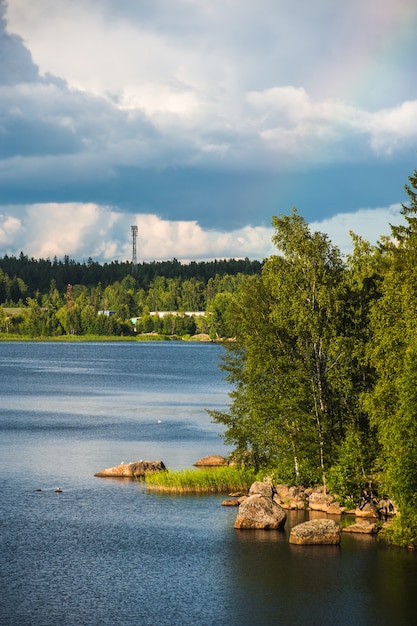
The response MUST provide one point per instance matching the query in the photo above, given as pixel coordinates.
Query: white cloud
(391, 128)
(369, 223)
(89, 230)
(10, 228)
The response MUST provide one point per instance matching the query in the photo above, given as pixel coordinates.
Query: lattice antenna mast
(134, 230)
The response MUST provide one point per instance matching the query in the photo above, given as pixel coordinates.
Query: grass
(215, 480)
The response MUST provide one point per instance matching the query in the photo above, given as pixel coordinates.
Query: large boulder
(136, 469)
(316, 531)
(260, 512)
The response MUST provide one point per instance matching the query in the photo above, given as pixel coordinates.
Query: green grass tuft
(215, 480)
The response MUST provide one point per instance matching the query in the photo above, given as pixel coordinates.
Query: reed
(215, 480)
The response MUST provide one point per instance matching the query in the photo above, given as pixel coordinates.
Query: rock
(297, 502)
(364, 527)
(317, 531)
(293, 498)
(369, 510)
(137, 469)
(282, 491)
(319, 501)
(211, 461)
(261, 489)
(230, 502)
(334, 508)
(260, 512)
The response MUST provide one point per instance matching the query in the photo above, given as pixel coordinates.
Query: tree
(392, 401)
(288, 364)
(307, 283)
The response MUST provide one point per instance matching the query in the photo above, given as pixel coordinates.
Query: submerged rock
(136, 469)
(364, 527)
(317, 531)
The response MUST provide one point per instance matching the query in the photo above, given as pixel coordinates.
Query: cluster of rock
(259, 509)
(264, 507)
(135, 469)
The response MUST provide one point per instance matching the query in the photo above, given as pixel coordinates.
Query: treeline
(40, 298)
(22, 277)
(324, 368)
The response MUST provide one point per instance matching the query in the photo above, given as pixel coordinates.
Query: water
(107, 552)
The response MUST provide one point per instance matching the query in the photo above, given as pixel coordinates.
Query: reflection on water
(106, 552)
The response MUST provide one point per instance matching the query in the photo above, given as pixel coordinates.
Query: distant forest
(44, 298)
(22, 277)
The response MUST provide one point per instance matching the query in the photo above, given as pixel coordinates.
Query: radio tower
(134, 230)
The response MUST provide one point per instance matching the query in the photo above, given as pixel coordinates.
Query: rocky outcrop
(211, 461)
(317, 532)
(259, 511)
(136, 469)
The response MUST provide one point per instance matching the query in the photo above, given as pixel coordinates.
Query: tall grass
(214, 480)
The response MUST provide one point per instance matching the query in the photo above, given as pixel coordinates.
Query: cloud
(216, 115)
(391, 129)
(84, 231)
(88, 230)
(370, 224)
(16, 61)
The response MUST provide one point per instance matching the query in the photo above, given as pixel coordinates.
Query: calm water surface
(107, 552)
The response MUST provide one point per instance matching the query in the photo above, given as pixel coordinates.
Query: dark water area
(107, 551)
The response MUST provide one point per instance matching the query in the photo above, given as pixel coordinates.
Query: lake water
(107, 552)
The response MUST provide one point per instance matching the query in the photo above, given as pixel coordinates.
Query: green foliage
(402, 530)
(346, 477)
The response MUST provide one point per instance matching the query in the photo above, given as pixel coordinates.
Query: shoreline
(106, 338)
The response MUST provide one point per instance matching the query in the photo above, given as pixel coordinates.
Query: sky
(199, 120)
